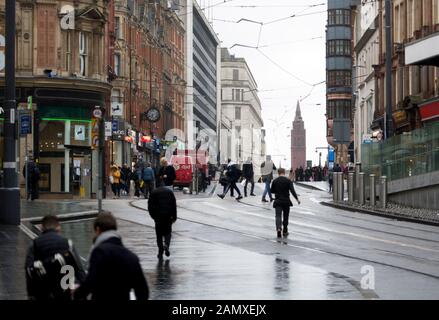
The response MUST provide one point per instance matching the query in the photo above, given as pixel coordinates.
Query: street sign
(116, 109)
(97, 113)
(108, 129)
(115, 125)
(95, 134)
(25, 124)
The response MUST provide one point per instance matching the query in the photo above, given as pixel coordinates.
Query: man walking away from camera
(281, 188)
(267, 168)
(162, 207)
(113, 269)
(46, 257)
(248, 174)
(148, 178)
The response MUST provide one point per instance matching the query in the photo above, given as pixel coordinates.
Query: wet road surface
(223, 249)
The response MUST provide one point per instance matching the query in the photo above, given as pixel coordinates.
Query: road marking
(352, 234)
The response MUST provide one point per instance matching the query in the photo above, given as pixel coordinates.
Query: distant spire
(298, 113)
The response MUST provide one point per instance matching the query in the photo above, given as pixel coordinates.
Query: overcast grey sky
(295, 44)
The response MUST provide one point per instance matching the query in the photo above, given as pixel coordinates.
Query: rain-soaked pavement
(224, 249)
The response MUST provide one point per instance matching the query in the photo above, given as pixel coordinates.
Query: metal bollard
(372, 190)
(383, 195)
(361, 188)
(357, 182)
(340, 187)
(351, 188)
(334, 187)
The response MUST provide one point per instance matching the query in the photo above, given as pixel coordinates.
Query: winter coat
(162, 206)
(233, 173)
(268, 176)
(281, 187)
(116, 174)
(247, 170)
(113, 271)
(43, 249)
(148, 174)
(170, 174)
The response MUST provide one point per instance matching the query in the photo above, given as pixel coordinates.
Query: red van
(183, 170)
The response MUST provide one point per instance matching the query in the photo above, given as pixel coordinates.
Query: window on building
(235, 74)
(237, 113)
(339, 17)
(237, 94)
(117, 67)
(68, 45)
(339, 109)
(338, 48)
(82, 54)
(117, 27)
(339, 78)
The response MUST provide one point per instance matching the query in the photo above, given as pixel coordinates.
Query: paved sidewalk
(13, 249)
(40, 208)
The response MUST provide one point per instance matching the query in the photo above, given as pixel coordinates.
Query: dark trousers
(285, 211)
(137, 188)
(148, 187)
(231, 186)
(252, 182)
(163, 232)
(116, 189)
(32, 192)
(330, 185)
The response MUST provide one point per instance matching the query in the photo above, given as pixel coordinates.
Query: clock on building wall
(153, 114)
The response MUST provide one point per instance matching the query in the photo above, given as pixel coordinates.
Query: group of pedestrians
(280, 187)
(113, 270)
(144, 176)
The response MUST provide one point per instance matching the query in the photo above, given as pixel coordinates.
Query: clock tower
(298, 141)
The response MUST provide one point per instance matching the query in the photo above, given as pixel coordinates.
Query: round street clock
(153, 114)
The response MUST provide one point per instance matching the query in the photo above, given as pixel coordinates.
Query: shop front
(62, 142)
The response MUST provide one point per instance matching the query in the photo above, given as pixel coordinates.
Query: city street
(223, 249)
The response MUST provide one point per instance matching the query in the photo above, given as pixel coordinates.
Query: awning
(429, 110)
(423, 52)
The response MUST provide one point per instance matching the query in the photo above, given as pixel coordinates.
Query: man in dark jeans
(33, 178)
(113, 269)
(45, 258)
(281, 187)
(233, 174)
(148, 177)
(248, 174)
(162, 207)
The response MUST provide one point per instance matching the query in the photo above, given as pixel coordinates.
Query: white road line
(352, 234)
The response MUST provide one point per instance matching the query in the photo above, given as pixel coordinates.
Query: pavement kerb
(309, 186)
(380, 214)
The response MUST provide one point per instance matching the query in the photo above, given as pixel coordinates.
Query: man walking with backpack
(148, 178)
(233, 174)
(113, 269)
(46, 260)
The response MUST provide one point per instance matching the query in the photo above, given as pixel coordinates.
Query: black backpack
(46, 274)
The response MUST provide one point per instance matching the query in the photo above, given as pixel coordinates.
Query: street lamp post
(10, 193)
(388, 130)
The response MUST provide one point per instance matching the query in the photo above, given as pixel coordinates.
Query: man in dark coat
(166, 174)
(281, 187)
(43, 271)
(33, 177)
(248, 174)
(162, 207)
(233, 174)
(113, 269)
